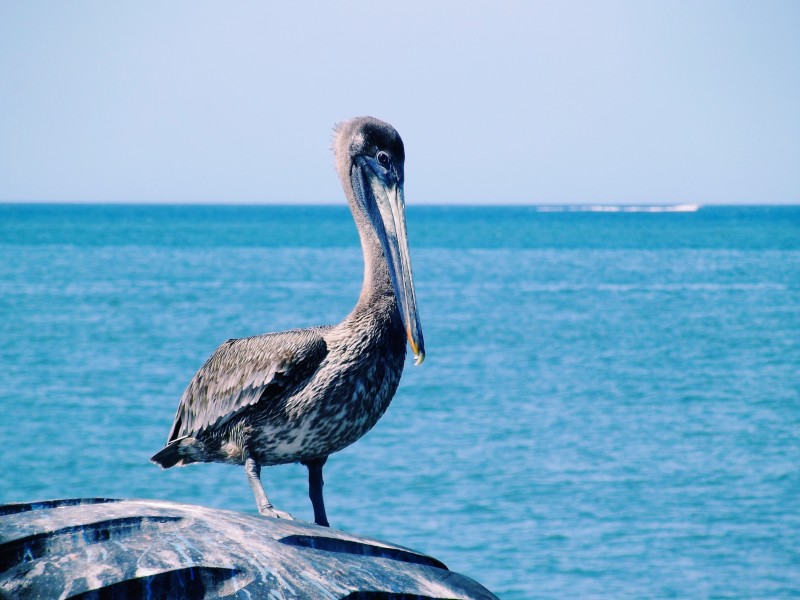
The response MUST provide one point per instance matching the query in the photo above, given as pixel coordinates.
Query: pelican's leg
(315, 484)
(253, 471)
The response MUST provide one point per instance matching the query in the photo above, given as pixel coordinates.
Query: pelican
(303, 394)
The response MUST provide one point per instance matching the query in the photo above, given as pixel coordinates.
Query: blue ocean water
(609, 407)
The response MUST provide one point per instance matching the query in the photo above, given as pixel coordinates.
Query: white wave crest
(613, 208)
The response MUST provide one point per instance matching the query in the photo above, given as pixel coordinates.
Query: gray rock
(103, 548)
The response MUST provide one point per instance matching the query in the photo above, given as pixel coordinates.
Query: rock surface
(105, 548)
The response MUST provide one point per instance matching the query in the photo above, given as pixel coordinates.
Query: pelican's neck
(377, 286)
(377, 292)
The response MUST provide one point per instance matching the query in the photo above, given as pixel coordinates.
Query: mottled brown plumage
(303, 394)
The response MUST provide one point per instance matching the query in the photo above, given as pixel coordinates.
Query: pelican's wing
(244, 371)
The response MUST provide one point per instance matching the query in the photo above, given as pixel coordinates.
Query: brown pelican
(300, 395)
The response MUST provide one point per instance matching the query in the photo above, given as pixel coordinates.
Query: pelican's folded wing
(242, 372)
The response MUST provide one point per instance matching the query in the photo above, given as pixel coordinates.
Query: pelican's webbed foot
(271, 511)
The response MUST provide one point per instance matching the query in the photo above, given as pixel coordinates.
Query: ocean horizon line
(607, 207)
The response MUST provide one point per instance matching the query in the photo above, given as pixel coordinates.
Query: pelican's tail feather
(171, 455)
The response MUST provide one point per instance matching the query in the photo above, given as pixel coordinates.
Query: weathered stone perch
(103, 548)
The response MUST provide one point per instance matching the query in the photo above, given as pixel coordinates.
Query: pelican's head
(369, 158)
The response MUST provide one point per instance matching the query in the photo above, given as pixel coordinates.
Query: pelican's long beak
(400, 265)
(391, 229)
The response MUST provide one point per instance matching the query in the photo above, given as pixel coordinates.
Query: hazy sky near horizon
(613, 102)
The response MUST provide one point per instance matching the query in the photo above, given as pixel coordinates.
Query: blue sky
(498, 103)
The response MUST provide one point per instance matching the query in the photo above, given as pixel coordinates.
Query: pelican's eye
(383, 158)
